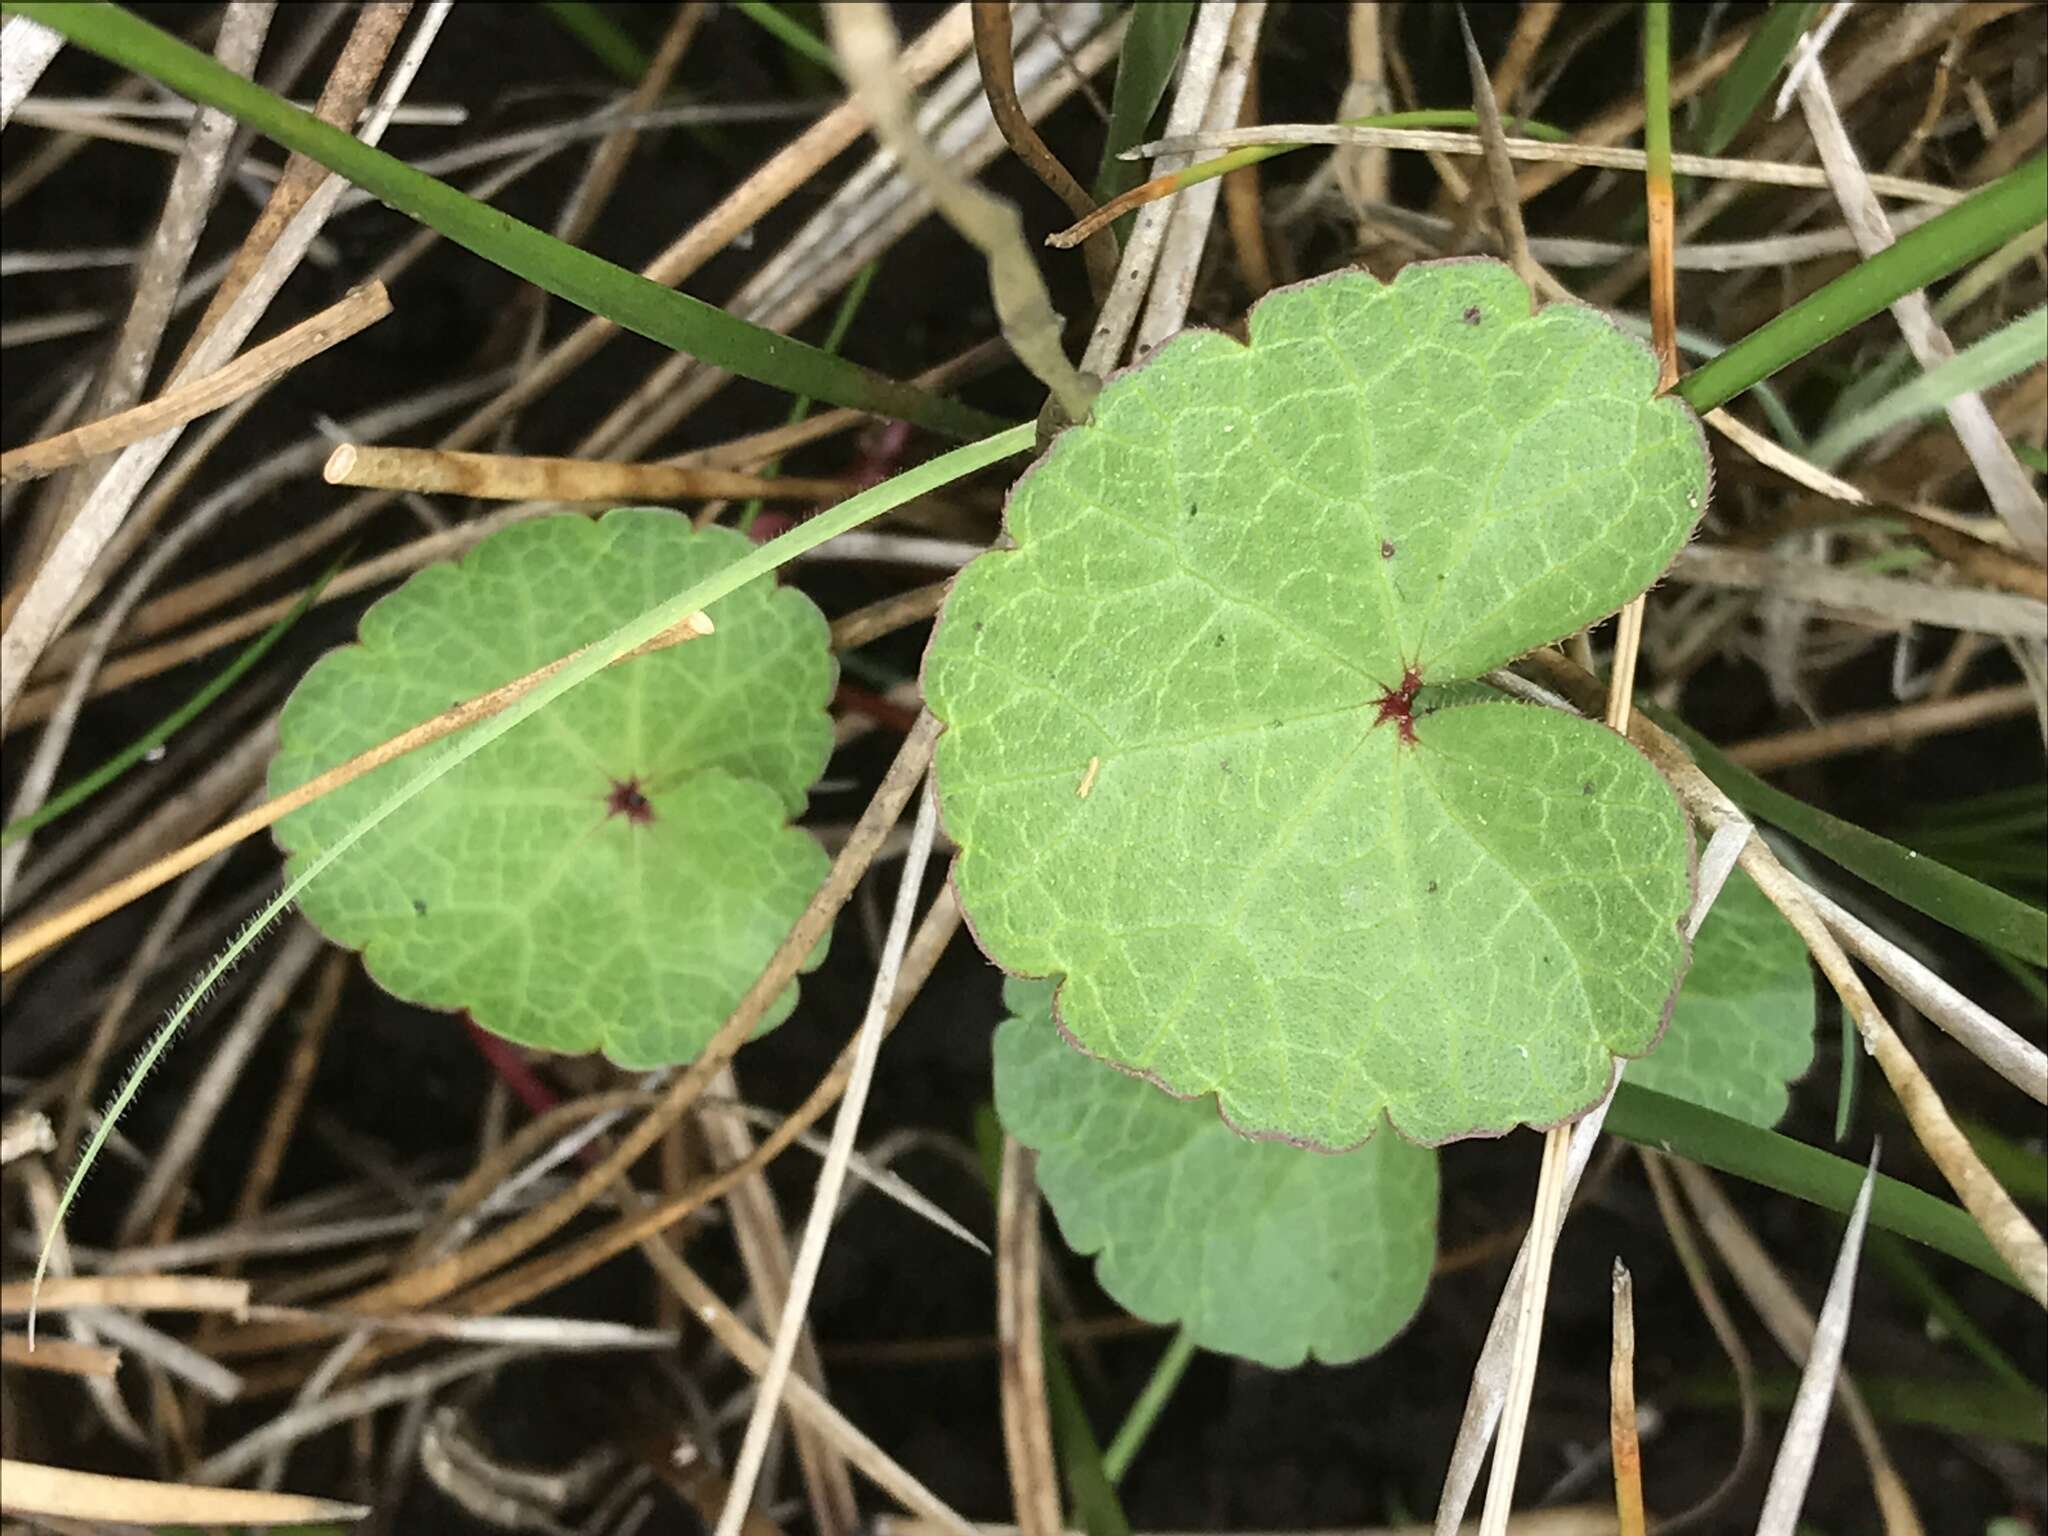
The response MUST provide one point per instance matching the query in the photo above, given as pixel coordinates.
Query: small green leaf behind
(1268, 1251)
(616, 873)
(1743, 1028)
(1187, 761)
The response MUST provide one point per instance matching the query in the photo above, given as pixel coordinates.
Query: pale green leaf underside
(1742, 1031)
(510, 888)
(1266, 894)
(1271, 1252)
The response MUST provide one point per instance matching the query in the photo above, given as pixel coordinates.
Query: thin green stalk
(1897, 361)
(1660, 210)
(1739, 92)
(799, 408)
(171, 724)
(1657, 90)
(627, 299)
(1946, 243)
(1151, 48)
(1911, 1276)
(793, 35)
(607, 41)
(1166, 1375)
(1746, 1151)
(1088, 1482)
(637, 631)
(2013, 348)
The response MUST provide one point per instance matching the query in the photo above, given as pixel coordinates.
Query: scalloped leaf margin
(1185, 763)
(1274, 1253)
(613, 875)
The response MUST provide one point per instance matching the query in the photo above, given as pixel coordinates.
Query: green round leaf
(1184, 761)
(1272, 1252)
(613, 875)
(1743, 1028)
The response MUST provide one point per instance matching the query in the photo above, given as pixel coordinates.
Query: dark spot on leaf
(1193, 508)
(626, 800)
(1386, 550)
(1431, 887)
(1586, 788)
(419, 907)
(1219, 637)
(1472, 315)
(1398, 705)
(977, 626)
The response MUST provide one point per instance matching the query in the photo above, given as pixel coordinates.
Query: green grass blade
(1911, 1276)
(1944, 244)
(627, 299)
(1898, 362)
(2032, 457)
(2023, 1173)
(851, 513)
(1700, 344)
(171, 724)
(1144, 1413)
(1971, 1410)
(793, 35)
(1657, 91)
(607, 41)
(799, 408)
(2013, 348)
(1151, 47)
(1924, 884)
(1791, 1167)
(1096, 1505)
(1739, 92)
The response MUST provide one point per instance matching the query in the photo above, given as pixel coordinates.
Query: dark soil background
(1239, 1448)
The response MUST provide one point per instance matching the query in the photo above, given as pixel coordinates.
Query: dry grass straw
(202, 162)
(1900, 725)
(14, 951)
(143, 1293)
(65, 1356)
(2015, 1238)
(46, 600)
(55, 1493)
(832, 1174)
(343, 99)
(1699, 1275)
(865, 39)
(1027, 1431)
(1792, 1325)
(524, 477)
(992, 53)
(640, 1223)
(764, 1252)
(1624, 1442)
(259, 366)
